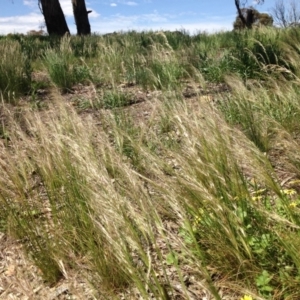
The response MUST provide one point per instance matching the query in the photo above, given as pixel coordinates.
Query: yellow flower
(247, 297)
(289, 192)
(293, 204)
(256, 198)
(197, 219)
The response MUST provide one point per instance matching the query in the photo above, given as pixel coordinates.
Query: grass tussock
(189, 194)
(15, 71)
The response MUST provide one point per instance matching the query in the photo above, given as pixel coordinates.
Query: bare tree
(81, 17)
(246, 15)
(286, 13)
(54, 17)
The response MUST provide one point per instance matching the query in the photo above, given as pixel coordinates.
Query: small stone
(59, 290)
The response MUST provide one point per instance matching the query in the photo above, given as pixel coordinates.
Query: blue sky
(123, 15)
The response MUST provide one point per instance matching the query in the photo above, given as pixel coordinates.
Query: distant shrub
(36, 32)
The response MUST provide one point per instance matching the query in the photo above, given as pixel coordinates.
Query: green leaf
(267, 288)
(172, 259)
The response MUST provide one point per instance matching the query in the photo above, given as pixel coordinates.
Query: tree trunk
(249, 19)
(238, 7)
(54, 17)
(81, 17)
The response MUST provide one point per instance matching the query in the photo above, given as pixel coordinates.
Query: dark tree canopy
(257, 19)
(246, 16)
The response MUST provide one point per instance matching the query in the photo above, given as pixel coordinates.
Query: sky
(194, 16)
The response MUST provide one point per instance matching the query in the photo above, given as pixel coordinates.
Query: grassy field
(156, 165)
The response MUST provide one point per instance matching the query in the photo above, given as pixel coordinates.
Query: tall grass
(200, 196)
(15, 71)
(64, 70)
(91, 207)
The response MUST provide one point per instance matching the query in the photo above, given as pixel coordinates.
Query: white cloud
(67, 8)
(30, 3)
(154, 21)
(21, 24)
(123, 2)
(154, 17)
(134, 20)
(34, 20)
(117, 22)
(93, 14)
(192, 28)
